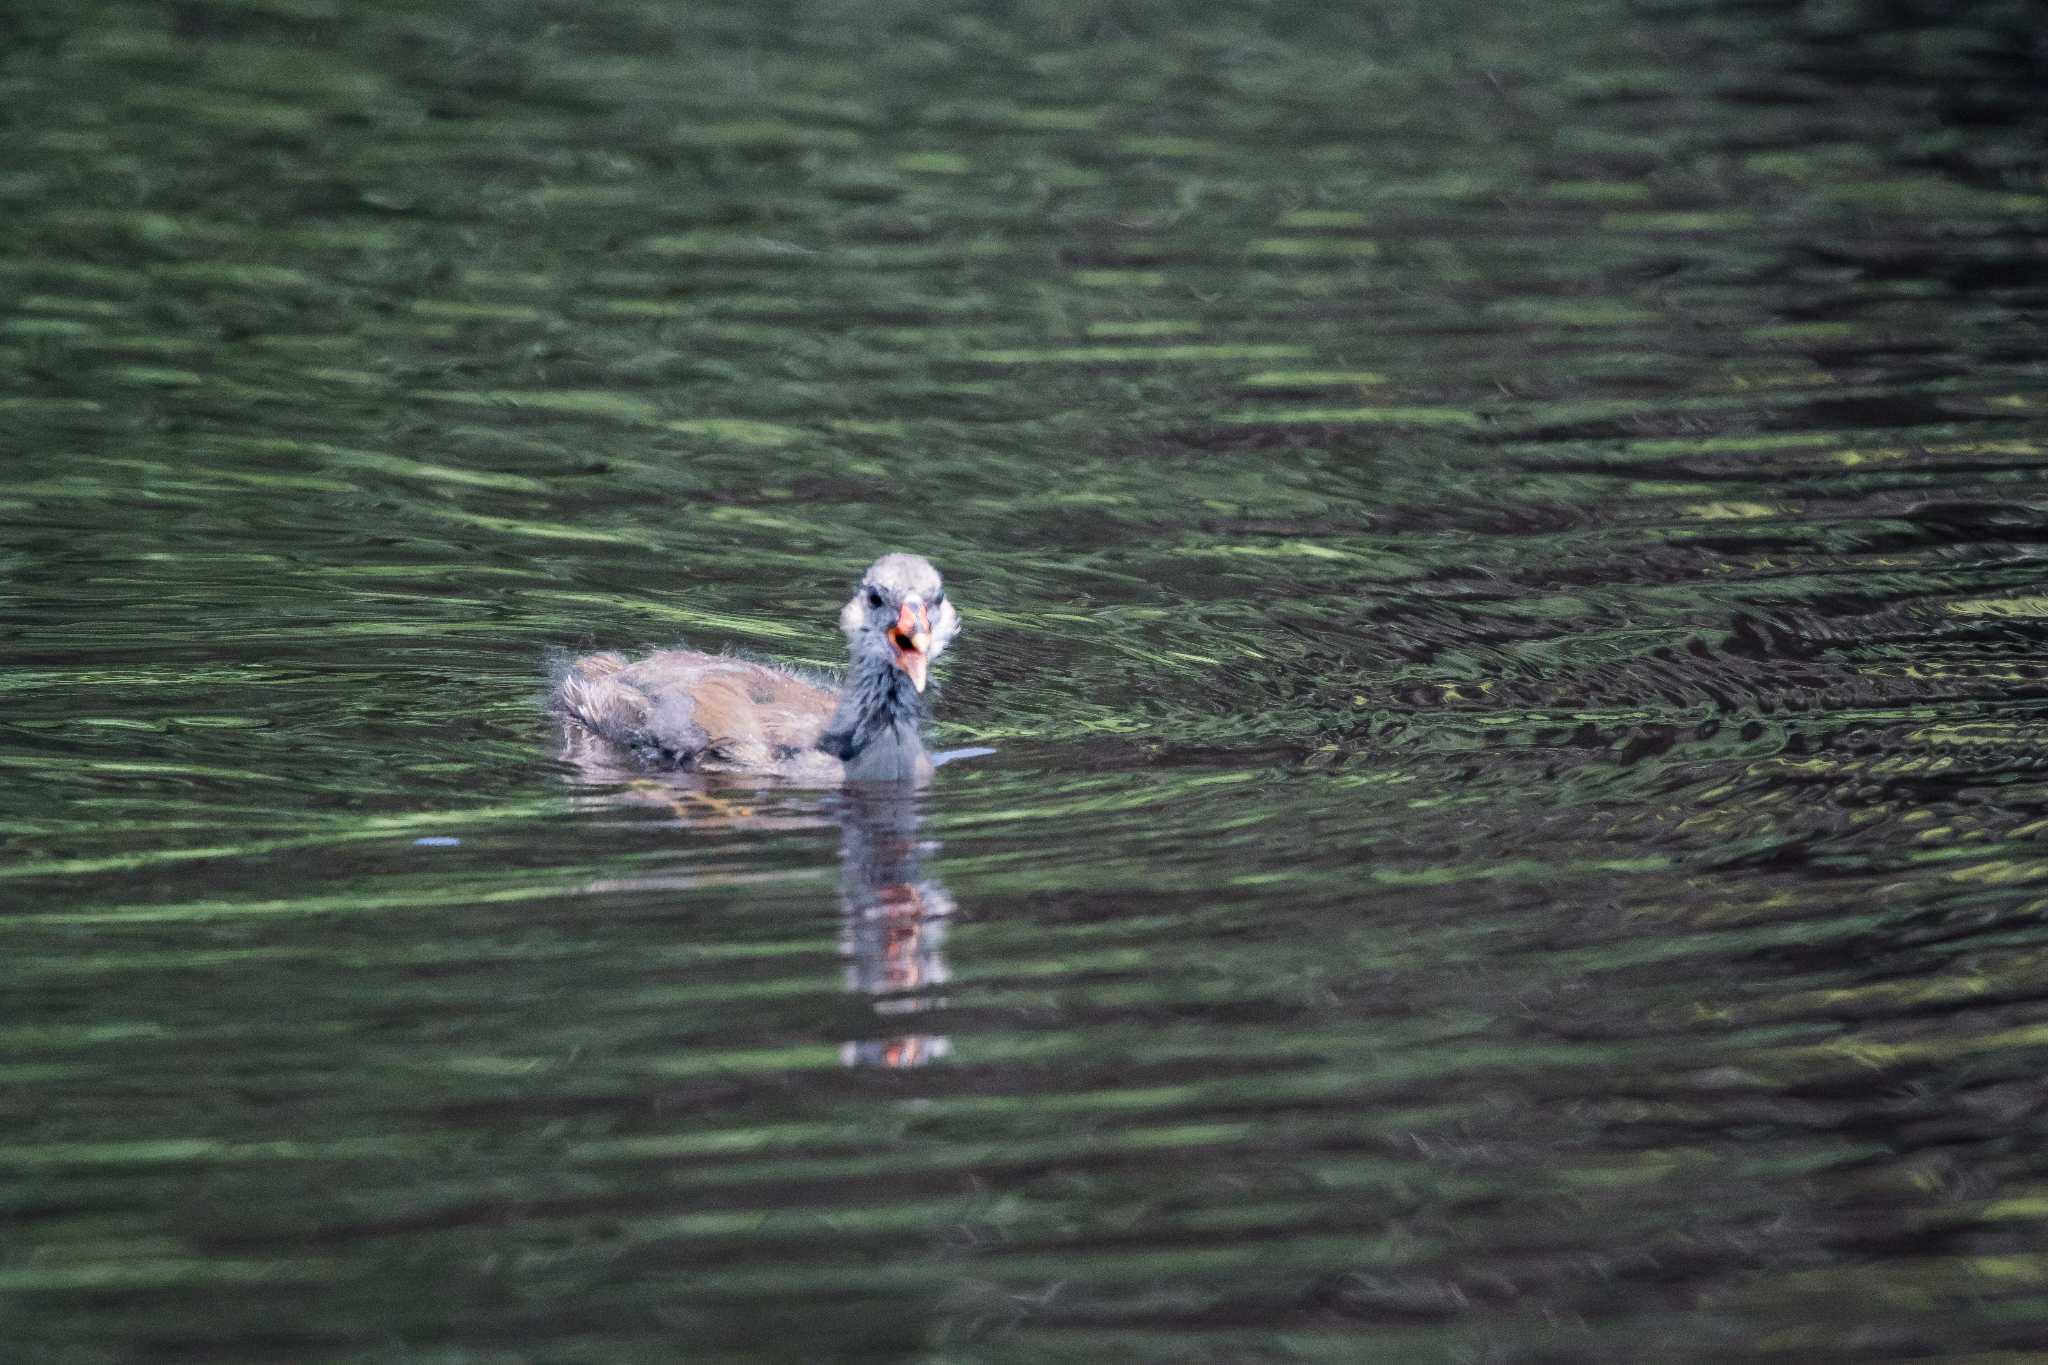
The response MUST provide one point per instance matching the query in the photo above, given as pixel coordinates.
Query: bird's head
(899, 616)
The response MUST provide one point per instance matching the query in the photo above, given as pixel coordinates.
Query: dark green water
(1501, 550)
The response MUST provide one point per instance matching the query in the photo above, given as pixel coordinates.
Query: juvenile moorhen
(710, 713)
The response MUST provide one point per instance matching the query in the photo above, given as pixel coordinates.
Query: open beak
(911, 638)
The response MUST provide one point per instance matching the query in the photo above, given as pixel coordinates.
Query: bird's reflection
(893, 925)
(893, 913)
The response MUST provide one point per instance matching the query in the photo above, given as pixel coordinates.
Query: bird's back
(702, 711)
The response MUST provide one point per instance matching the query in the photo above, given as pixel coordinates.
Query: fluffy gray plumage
(709, 713)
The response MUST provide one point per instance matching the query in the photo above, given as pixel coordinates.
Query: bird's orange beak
(911, 637)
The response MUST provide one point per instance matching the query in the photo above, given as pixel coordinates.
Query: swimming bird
(678, 708)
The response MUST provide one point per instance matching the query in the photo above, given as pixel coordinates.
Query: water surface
(1501, 560)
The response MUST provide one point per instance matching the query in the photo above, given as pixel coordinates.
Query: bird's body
(707, 712)
(717, 714)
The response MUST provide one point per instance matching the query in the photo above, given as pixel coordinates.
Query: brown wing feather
(698, 710)
(592, 692)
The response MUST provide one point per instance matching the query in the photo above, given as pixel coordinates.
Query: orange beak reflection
(911, 638)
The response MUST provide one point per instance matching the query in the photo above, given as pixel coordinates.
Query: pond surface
(1501, 551)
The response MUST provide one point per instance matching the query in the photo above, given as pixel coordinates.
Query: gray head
(899, 616)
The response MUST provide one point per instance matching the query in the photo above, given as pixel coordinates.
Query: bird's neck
(874, 731)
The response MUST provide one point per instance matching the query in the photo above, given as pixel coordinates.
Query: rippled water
(1501, 554)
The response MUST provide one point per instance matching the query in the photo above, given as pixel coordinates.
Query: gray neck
(874, 731)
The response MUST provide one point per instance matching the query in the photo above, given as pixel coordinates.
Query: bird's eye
(874, 597)
(938, 599)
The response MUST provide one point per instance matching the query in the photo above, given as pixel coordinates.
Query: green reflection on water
(1499, 560)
